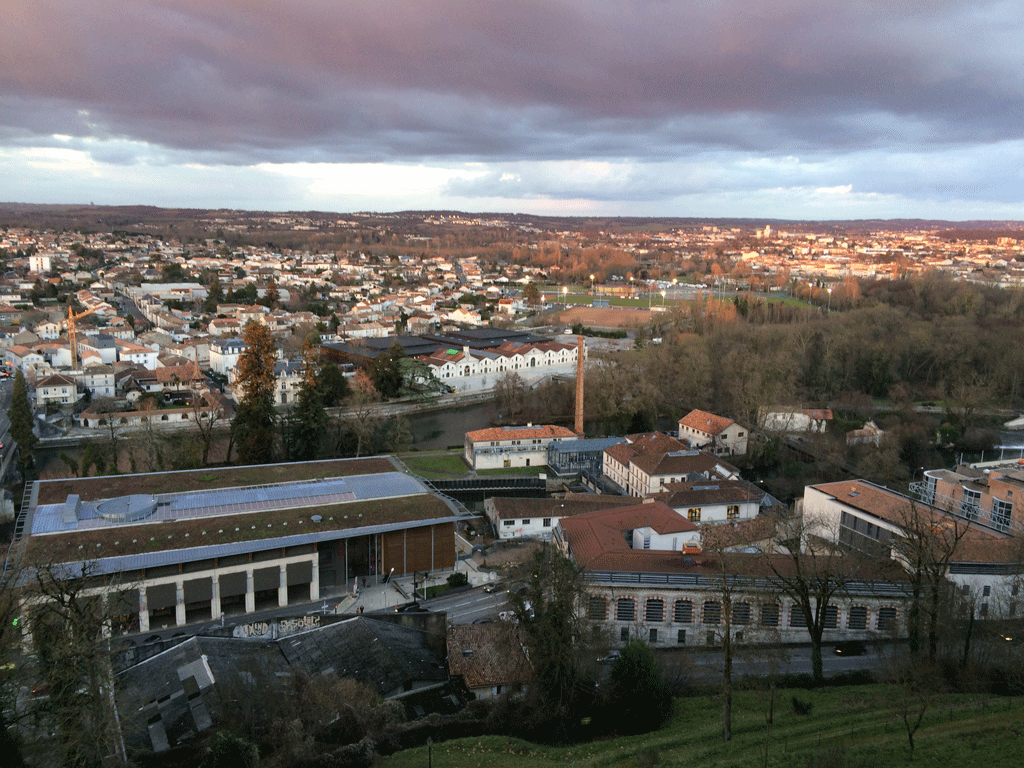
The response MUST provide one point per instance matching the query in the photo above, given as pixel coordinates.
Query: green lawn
(512, 471)
(436, 465)
(852, 727)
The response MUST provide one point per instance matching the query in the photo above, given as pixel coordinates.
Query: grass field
(851, 727)
(436, 465)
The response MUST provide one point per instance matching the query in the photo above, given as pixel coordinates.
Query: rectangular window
(741, 613)
(526, 522)
(1001, 512)
(986, 591)
(597, 609)
(770, 615)
(732, 511)
(693, 514)
(653, 636)
(797, 618)
(683, 612)
(858, 618)
(969, 503)
(547, 522)
(681, 636)
(984, 611)
(507, 463)
(508, 523)
(624, 634)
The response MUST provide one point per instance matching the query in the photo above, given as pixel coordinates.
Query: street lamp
(829, 300)
(663, 298)
(593, 288)
(565, 295)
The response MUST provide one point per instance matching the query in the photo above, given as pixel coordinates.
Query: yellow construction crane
(73, 333)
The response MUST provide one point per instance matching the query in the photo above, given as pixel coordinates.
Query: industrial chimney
(580, 347)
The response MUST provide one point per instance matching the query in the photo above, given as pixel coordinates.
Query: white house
(224, 355)
(56, 389)
(505, 447)
(716, 434)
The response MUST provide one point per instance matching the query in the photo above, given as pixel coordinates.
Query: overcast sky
(779, 109)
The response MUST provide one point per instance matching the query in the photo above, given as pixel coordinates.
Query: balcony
(965, 509)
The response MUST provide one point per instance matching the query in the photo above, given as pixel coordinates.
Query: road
(472, 605)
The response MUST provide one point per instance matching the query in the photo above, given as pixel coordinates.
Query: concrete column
(282, 587)
(250, 592)
(143, 610)
(179, 603)
(215, 609)
(314, 579)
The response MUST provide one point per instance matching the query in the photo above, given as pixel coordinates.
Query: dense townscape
(701, 444)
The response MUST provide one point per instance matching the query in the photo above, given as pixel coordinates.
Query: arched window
(712, 612)
(683, 613)
(625, 609)
(655, 609)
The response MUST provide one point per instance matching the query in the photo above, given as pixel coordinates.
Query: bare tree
(71, 621)
(206, 419)
(809, 569)
(925, 546)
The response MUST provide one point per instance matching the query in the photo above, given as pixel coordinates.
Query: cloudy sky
(782, 108)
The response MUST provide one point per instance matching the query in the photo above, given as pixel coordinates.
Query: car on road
(851, 648)
(611, 658)
(493, 587)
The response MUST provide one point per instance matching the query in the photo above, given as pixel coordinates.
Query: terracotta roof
(709, 492)
(597, 542)
(510, 507)
(705, 422)
(519, 433)
(486, 654)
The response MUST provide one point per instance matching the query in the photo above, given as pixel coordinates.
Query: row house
(136, 353)
(646, 578)
(715, 502)
(541, 358)
(98, 379)
(648, 462)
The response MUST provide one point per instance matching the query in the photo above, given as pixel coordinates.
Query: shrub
(458, 579)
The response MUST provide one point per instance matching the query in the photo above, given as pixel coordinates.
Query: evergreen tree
(386, 373)
(252, 429)
(214, 297)
(309, 417)
(638, 699)
(21, 418)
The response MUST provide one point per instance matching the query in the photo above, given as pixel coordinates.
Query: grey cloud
(496, 80)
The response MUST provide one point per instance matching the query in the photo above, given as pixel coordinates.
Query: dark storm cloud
(498, 81)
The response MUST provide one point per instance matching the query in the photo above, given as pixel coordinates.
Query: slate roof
(380, 654)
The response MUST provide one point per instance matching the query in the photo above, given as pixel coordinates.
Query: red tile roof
(548, 431)
(705, 422)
